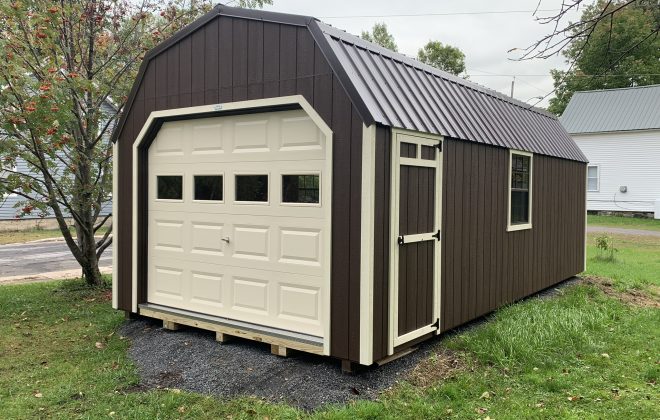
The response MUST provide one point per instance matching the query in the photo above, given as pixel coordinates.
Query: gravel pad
(192, 360)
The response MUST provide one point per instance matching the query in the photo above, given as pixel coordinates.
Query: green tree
(443, 57)
(622, 50)
(380, 35)
(61, 63)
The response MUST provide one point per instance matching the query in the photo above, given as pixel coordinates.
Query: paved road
(623, 231)
(34, 258)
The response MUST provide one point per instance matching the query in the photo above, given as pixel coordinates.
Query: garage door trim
(141, 146)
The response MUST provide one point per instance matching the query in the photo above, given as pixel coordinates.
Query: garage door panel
(260, 262)
(206, 238)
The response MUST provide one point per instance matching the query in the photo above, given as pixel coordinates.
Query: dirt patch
(442, 364)
(646, 299)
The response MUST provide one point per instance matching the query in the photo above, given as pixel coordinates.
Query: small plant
(606, 249)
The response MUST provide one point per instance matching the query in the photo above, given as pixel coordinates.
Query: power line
(548, 74)
(491, 12)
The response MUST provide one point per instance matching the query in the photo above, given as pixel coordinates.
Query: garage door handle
(226, 239)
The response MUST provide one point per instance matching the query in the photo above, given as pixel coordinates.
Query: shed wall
(483, 265)
(233, 59)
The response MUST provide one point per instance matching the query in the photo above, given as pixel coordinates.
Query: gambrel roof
(394, 90)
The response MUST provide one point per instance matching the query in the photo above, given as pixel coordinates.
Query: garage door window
(252, 188)
(208, 187)
(300, 189)
(170, 187)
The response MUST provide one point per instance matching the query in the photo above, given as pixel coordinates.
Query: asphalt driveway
(48, 259)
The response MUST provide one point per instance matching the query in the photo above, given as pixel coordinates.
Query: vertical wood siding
(233, 59)
(483, 265)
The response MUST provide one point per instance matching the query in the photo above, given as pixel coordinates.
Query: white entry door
(239, 219)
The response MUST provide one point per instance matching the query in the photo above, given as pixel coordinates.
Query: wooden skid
(222, 332)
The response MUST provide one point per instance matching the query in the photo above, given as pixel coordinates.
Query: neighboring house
(619, 132)
(11, 204)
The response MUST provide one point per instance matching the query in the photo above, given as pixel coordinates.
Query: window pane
(592, 171)
(519, 207)
(300, 188)
(252, 188)
(170, 187)
(408, 150)
(593, 184)
(208, 187)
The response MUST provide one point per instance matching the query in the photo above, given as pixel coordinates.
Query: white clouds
(484, 38)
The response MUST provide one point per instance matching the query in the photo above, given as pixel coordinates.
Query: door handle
(225, 239)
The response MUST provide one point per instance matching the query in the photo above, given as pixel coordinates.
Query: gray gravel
(191, 359)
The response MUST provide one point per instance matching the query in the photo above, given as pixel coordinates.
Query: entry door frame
(427, 140)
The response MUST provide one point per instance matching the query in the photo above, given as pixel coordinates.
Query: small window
(300, 189)
(170, 187)
(593, 173)
(520, 192)
(252, 188)
(208, 187)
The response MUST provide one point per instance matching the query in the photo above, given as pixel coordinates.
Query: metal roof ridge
(621, 88)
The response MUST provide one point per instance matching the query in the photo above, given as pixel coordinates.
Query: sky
(483, 38)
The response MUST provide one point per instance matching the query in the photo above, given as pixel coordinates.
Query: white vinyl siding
(624, 159)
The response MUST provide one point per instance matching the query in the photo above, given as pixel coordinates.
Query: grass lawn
(19, 236)
(624, 222)
(579, 354)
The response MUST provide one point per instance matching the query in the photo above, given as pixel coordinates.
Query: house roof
(394, 90)
(634, 108)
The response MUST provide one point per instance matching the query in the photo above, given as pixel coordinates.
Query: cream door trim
(429, 140)
(231, 106)
(367, 242)
(115, 219)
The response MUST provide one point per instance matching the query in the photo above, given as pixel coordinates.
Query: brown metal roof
(394, 90)
(401, 92)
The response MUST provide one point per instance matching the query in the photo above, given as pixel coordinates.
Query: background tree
(614, 44)
(443, 57)
(379, 35)
(61, 61)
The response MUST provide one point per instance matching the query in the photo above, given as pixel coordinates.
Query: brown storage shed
(281, 180)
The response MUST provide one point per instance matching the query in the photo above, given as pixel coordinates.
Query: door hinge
(400, 240)
(436, 324)
(437, 235)
(439, 146)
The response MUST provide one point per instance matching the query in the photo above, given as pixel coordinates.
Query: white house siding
(624, 158)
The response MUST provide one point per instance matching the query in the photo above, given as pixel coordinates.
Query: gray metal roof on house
(635, 108)
(394, 90)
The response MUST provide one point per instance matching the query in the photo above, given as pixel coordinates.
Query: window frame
(248, 173)
(171, 200)
(301, 173)
(224, 190)
(597, 177)
(520, 226)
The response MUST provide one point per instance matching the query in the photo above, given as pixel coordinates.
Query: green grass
(624, 222)
(20, 236)
(636, 264)
(580, 354)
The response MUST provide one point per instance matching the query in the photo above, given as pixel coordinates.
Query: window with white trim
(520, 190)
(593, 178)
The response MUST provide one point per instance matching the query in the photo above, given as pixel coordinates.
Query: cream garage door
(239, 219)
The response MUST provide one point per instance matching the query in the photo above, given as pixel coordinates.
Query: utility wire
(491, 12)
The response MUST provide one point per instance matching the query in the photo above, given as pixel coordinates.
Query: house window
(520, 191)
(169, 187)
(300, 189)
(208, 187)
(252, 188)
(593, 176)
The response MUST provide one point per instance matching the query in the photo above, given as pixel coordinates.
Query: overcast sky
(484, 38)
